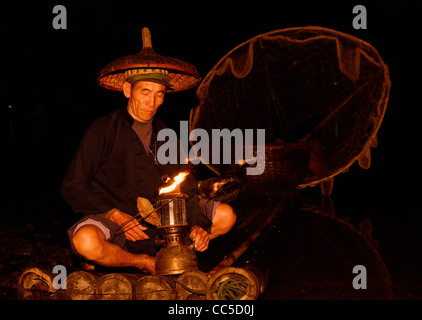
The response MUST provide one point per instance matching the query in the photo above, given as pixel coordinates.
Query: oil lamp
(175, 257)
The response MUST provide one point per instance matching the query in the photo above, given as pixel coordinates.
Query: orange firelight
(177, 180)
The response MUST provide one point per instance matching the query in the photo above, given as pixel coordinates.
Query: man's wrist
(109, 213)
(193, 228)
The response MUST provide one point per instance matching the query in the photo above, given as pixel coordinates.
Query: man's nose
(151, 101)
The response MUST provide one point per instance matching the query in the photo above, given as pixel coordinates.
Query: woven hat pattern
(182, 75)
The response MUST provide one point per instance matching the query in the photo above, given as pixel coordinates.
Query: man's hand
(133, 230)
(200, 237)
(148, 263)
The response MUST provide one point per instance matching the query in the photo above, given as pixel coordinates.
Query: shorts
(113, 233)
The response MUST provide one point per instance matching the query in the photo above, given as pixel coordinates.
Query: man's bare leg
(89, 241)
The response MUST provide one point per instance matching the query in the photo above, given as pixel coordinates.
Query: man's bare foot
(87, 266)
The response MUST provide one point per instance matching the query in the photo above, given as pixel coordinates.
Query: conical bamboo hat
(182, 75)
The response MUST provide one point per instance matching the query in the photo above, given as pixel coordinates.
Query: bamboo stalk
(231, 258)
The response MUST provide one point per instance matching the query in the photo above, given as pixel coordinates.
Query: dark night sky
(49, 79)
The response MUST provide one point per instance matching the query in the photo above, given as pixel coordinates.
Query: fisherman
(116, 162)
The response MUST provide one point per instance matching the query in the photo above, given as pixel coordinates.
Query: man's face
(144, 99)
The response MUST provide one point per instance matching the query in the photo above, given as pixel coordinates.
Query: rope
(194, 291)
(231, 289)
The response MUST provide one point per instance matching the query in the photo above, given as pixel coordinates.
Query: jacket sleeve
(79, 187)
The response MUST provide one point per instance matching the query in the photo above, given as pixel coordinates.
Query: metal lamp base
(175, 259)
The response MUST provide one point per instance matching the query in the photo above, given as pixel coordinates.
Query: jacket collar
(130, 120)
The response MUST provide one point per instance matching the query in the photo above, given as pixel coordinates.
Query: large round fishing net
(319, 94)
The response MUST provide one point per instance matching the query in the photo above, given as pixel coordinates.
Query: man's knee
(225, 217)
(88, 242)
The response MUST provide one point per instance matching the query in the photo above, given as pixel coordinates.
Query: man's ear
(127, 88)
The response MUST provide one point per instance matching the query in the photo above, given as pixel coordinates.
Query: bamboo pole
(231, 258)
(81, 285)
(36, 284)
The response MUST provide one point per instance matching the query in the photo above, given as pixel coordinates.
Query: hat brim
(182, 75)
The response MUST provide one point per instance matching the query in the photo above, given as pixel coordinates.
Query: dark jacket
(111, 168)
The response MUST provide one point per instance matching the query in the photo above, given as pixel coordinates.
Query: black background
(49, 93)
(49, 78)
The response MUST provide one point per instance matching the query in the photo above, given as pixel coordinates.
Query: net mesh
(319, 94)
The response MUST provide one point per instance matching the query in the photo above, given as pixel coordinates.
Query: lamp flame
(177, 180)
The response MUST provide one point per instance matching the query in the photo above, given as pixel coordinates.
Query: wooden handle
(146, 38)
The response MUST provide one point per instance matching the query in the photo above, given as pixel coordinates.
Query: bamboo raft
(190, 285)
